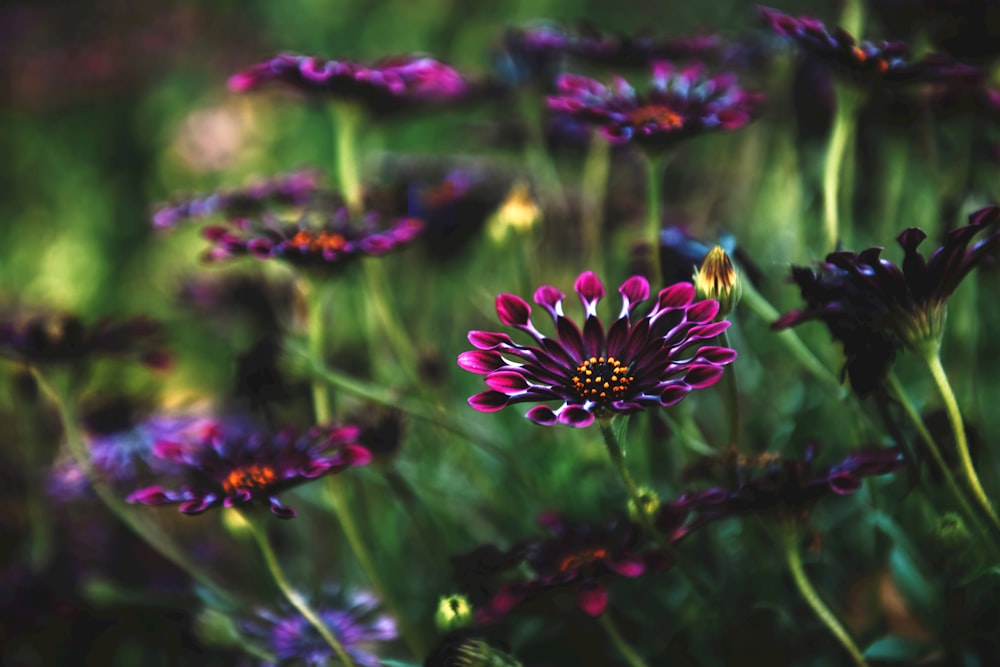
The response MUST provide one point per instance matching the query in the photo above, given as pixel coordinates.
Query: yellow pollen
(656, 114)
(600, 379)
(251, 477)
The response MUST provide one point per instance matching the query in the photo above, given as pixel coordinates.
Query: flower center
(252, 477)
(305, 240)
(582, 559)
(602, 380)
(656, 114)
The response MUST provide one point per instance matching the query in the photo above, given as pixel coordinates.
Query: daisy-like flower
(357, 626)
(679, 103)
(875, 308)
(399, 83)
(64, 339)
(230, 466)
(649, 362)
(865, 62)
(579, 556)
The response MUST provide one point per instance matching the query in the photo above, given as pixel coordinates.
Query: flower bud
(518, 213)
(649, 501)
(717, 279)
(453, 612)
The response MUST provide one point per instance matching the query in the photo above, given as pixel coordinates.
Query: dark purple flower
(596, 373)
(55, 339)
(865, 62)
(875, 308)
(356, 625)
(679, 103)
(579, 556)
(405, 82)
(286, 190)
(232, 466)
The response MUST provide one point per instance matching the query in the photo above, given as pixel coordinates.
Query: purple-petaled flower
(786, 488)
(231, 466)
(67, 340)
(293, 189)
(354, 621)
(679, 103)
(595, 373)
(405, 82)
(579, 556)
(875, 308)
(865, 62)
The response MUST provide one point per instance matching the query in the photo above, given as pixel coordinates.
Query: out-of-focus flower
(596, 373)
(579, 556)
(65, 339)
(453, 612)
(874, 308)
(407, 82)
(285, 190)
(865, 62)
(680, 103)
(468, 648)
(357, 626)
(718, 280)
(517, 214)
(231, 465)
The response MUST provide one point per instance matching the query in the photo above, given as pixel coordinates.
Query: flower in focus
(717, 279)
(579, 556)
(865, 62)
(357, 626)
(67, 340)
(232, 466)
(596, 373)
(395, 84)
(874, 308)
(680, 103)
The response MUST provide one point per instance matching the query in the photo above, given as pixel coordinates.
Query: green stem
(336, 496)
(933, 360)
(159, 540)
(654, 221)
(259, 531)
(346, 119)
(401, 344)
(732, 397)
(843, 130)
(631, 657)
(316, 298)
(812, 598)
(853, 18)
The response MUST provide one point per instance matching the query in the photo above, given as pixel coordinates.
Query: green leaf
(398, 663)
(895, 649)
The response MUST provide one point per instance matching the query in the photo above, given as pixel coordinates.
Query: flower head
(717, 279)
(865, 62)
(680, 103)
(231, 466)
(874, 308)
(395, 84)
(598, 373)
(357, 626)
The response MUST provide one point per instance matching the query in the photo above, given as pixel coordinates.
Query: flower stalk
(626, 650)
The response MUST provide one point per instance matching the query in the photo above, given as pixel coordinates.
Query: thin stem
(346, 119)
(259, 531)
(812, 598)
(375, 284)
(617, 455)
(336, 496)
(316, 299)
(843, 129)
(933, 360)
(732, 397)
(631, 657)
(654, 221)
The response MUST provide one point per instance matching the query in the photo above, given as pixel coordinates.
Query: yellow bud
(649, 500)
(453, 612)
(717, 279)
(518, 213)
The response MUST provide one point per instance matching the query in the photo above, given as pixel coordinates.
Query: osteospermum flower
(883, 62)
(357, 626)
(394, 84)
(231, 467)
(875, 308)
(594, 373)
(679, 103)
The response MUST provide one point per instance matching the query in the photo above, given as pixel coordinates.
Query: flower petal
(482, 362)
(576, 416)
(488, 401)
(513, 310)
(507, 382)
(543, 415)
(592, 597)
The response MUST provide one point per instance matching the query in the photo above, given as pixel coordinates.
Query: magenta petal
(844, 483)
(482, 362)
(700, 377)
(673, 394)
(589, 287)
(513, 310)
(549, 298)
(542, 415)
(505, 600)
(628, 566)
(239, 497)
(676, 296)
(635, 289)
(592, 598)
(151, 495)
(488, 401)
(356, 455)
(703, 311)
(576, 416)
(508, 382)
(704, 331)
(716, 355)
(196, 506)
(280, 511)
(169, 451)
(488, 340)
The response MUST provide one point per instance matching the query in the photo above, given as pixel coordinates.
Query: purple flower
(875, 308)
(865, 62)
(395, 84)
(293, 189)
(232, 466)
(592, 372)
(679, 103)
(357, 626)
(64, 339)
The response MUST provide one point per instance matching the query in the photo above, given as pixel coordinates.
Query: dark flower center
(252, 477)
(602, 380)
(655, 114)
(581, 559)
(305, 240)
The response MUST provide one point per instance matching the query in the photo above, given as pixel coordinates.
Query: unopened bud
(717, 279)
(649, 503)
(453, 612)
(952, 532)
